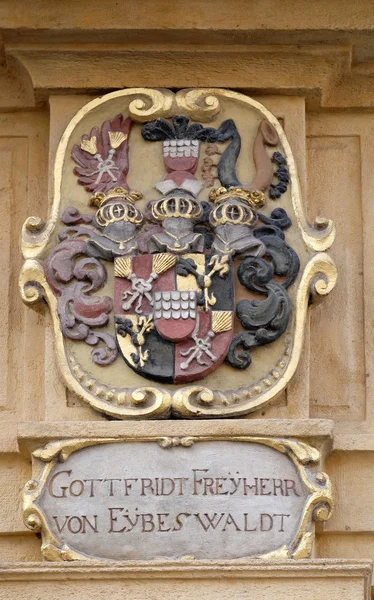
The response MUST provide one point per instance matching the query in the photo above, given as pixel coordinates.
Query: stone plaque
(176, 497)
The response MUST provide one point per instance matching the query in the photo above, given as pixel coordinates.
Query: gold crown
(119, 192)
(255, 198)
(234, 213)
(115, 212)
(176, 206)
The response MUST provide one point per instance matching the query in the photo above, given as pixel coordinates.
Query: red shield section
(188, 329)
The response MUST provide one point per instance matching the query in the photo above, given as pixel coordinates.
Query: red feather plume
(102, 157)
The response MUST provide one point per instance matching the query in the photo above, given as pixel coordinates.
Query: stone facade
(311, 64)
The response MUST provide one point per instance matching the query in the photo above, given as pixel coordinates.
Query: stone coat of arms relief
(177, 261)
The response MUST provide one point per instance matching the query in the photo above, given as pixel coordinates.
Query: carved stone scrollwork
(150, 104)
(199, 104)
(185, 282)
(75, 277)
(265, 320)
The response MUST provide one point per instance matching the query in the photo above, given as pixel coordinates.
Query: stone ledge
(310, 579)
(360, 442)
(241, 568)
(316, 431)
(325, 74)
(334, 18)
(258, 568)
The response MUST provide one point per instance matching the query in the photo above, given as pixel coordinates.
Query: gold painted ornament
(176, 297)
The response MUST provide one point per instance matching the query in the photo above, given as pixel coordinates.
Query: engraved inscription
(137, 500)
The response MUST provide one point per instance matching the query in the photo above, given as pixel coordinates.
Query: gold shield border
(318, 279)
(319, 505)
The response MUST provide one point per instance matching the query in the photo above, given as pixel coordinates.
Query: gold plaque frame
(199, 401)
(306, 458)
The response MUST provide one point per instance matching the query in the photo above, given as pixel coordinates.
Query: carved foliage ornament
(176, 261)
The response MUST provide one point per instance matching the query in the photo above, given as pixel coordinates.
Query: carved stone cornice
(325, 75)
(243, 569)
(323, 51)
(318, 432)
(322, 22)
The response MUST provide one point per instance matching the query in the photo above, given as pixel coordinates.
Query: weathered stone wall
(312, 64)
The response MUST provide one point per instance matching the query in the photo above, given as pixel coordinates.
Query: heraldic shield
(174, 316)
(177, 261)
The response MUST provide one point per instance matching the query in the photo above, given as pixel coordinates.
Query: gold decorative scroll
(318, 275)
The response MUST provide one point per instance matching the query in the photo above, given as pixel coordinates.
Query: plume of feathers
(102, 156)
